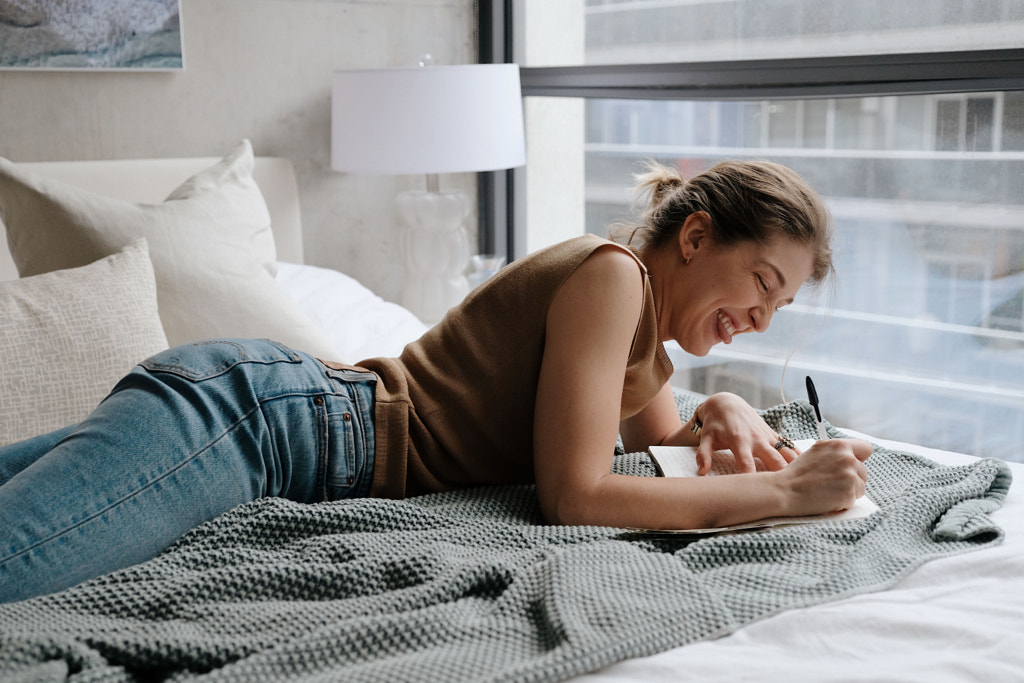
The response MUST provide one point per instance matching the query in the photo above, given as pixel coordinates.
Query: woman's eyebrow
(778, 273)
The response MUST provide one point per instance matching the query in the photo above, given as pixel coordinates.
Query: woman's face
(726, 291)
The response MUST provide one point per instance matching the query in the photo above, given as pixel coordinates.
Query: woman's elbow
(567, 507)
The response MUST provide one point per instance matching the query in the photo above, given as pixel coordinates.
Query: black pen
(812, 396)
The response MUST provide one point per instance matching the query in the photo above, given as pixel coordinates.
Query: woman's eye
(762, 284)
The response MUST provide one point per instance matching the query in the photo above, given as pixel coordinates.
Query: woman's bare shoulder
(606, 285)
(611, 262)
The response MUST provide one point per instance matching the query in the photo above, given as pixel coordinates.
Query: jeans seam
(364, 416)
(184, 371)
(137, 491)
(322, 448)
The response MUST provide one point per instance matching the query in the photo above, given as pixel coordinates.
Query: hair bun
(658, 182)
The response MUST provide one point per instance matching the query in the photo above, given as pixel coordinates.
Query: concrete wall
(259, 69)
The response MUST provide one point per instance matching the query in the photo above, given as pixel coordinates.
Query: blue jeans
(189, 434)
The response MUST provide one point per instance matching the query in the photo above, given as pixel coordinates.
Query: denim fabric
(186, 436)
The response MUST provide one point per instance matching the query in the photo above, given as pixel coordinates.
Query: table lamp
(429, 120)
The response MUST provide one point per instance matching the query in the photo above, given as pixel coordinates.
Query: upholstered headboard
(151, 180)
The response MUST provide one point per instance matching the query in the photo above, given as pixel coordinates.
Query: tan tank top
(456, 408)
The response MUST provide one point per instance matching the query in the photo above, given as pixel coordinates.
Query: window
(648, 31)
(908, 117)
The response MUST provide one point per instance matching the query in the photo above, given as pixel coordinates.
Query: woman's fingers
(861, 448)
(703, 461)
(772, 457)
(830, 475)
(776, 451)
(742, 455)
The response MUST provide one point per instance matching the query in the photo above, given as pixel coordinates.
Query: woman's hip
(309, 428)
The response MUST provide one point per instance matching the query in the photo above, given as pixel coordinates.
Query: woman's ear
(696, 228)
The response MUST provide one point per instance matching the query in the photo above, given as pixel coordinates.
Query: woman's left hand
(731, 423)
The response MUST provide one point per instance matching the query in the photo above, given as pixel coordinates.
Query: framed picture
(56, 35)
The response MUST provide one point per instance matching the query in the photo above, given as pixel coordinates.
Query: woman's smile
(727, 329)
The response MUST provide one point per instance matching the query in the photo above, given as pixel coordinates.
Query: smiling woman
(718, 254)
(746, 284)
(531, 379)
(749, 235)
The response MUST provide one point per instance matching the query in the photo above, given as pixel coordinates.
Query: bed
(464, 586)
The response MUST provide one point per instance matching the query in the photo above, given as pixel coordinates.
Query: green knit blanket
(473, 585)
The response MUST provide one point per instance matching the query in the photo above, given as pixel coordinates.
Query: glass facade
(646, 31)
(921, 338)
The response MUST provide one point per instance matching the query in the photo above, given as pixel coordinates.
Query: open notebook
(681, 461)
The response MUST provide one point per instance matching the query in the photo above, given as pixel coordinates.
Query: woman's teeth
(726, 324)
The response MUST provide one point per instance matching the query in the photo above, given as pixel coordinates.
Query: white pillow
(359, 323)
(68, 336)
(210, 243)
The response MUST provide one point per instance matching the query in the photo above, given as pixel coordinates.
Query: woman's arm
(590, 328)
(589, 332)
(658, 424)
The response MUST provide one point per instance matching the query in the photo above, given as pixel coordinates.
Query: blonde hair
(757, 201)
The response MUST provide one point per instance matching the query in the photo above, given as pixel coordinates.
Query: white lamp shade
(430, 119)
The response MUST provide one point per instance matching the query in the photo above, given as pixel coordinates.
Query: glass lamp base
(436, 252)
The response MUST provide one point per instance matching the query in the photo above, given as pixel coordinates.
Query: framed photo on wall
(105, 35)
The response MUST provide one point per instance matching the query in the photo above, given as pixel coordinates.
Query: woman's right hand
(827, 477)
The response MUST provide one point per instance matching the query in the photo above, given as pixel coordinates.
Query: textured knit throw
(473, 586)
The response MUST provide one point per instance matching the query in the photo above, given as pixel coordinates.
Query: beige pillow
(210, 243)
(68, 336)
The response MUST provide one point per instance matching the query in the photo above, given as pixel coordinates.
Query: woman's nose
(761, 317)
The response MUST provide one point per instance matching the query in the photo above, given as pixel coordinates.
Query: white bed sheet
(958, 619)
(359, 323)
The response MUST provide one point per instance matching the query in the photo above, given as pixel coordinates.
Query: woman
(531, 379)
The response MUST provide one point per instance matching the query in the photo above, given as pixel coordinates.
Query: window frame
(495, 189)
(758, 79)
(797, 78)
